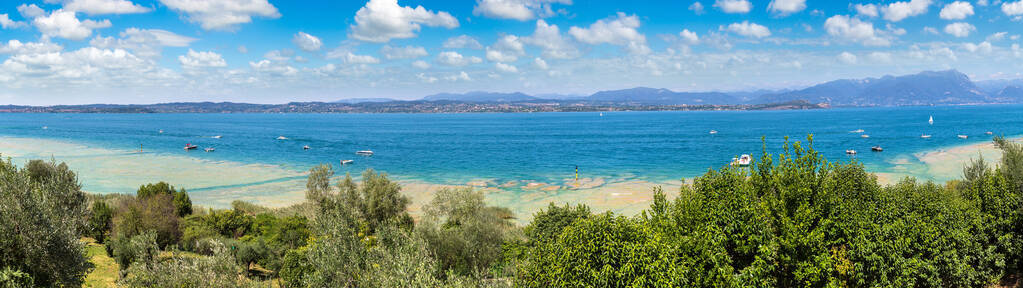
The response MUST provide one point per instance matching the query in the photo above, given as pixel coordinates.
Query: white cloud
(201, 59)
(958, 10)
(64, 24)
(959, 29)
(88, 64)
(734, 6)
(99, 7)
(506, 68)
(896, 11)
(786, 7)
(273, 68)
(507, 49)
(460, 76)
(242, 49)
(451, 58)
(982, 47)
(998, 36)
(696, 7)
(307, 42)
(1012, 8)
(222, 14)
(7, 23)
(16, 47)
(30, 11)
(852, 29)
(847, 58)
(540, 64)
(521, 10)
(881, 57)
(748, 29)
(421, 64)
(407, 52)
(143, 42)
(931, 30)
(383, 20)
(866, 10)
(553, 45)
(352, 58)
(689, 37)
(617, 31)
(462, 41)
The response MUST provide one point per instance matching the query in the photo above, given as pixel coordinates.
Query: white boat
(191, 146)
(864, 136)
(210, 149)
(930, 120)
(742, 161)
(601, 114)
(282, 138)
(161, 131)
(963, 136)
(306, 147)
(713, 131)
(989, 133)
(850, 152)
(44, 127)
(346, 162)
(856, 131)
(925, 136)
(364, 152)
(876, 149)
(216, 137)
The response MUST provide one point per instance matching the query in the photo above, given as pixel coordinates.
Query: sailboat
(930, 120)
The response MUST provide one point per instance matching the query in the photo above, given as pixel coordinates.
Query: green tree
(463, 232)
(100, 221)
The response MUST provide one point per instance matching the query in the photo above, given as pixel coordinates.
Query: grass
(104, 271)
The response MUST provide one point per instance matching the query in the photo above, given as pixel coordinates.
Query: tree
(151, 213)
(463, 232)
(100, 221)
(548, 224)
(182, 203)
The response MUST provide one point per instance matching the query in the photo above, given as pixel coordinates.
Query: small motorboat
(963, 136)
(930, 121)
(989, 133)
(925, 136)
(850, 152)
(856, 131)
(161, 131)
(306, 147)
(44, 127)
(876, 149)
(216, 137)
(743, 161)
(282, 138)
(713, 131)
(210, 149)
(364, 153)
(191, 146)
(347, 162)
(864, 136)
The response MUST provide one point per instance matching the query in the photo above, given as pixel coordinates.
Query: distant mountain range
(926, 88)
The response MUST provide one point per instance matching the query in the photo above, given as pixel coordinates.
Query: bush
(218, 270)
(463, 233)
(139, 248)
(152, 213)
(182, 203)
(100, 221)
(548, 224)
(15, 279)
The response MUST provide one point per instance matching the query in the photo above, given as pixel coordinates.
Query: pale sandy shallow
(217, 183)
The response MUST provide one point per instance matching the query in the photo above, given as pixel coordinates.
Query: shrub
(15, 279)
(218, 270)
(465, 235)
(100, 221)
(138, 248)
(152, 213)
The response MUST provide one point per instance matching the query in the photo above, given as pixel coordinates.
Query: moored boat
(742, 161)
(850, 152)
(306, 147)
(925, 136)
(963, 136)
(856, 131)
(364, 152)
(876, 149)
(282, 138)
(989, 133)
(210, 149)
(713, 131)
(347, 162)
(864, 136)
(191, 146)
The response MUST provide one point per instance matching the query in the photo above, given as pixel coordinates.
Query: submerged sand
(218, 183)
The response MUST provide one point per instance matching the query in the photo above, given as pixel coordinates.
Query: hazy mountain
(995, 87)
(364, 100)
(1012, 94)
(556, 96)
(653, 96)
(925, 88)
(479, 96)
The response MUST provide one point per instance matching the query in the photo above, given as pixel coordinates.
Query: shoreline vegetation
(792, 219)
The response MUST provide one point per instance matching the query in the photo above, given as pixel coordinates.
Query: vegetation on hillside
(793, 219)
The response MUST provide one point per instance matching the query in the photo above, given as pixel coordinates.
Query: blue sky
(271, 51)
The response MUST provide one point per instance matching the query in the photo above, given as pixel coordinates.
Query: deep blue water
(454, 148)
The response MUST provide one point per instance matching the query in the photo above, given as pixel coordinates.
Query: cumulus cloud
(896, 11)
(734, 6)
(959, 29)
(617, 31)
(143, 42)
(201, 59)
(30, 11)
(958, 10)
(100, 7)
(540, 64)
(85, 63)
(847, 58)
(352, 58)
(16, 47)
(866, 10)
(881, 57)
(852, 29)
(462, 41)
(64, 24)
(222, 14)
(786, 7)
(522, 10)
(696, 7)
(382, 20)
(451, 58)
(461, 76)
(982, 47)
(421, 64)
(752, 30)
(506, 49)
(549, 39)
(7, 23)
(689, 37)
(273, 68)
(506, 68)
(1012, 8)
(407, 52)
(307, 42)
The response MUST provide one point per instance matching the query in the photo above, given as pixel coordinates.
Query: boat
(856, 131)
(282, 138)
(930, 120)
(364, 152)
(347, 162)
(850, 152)
(713, 131)
(306, 147)
(742, 161)
(216, 137)
(876, 149)
(989, 133)
(963, 136)
(161, 131)
(864, 136)
(191, 146)
(925, 136)
(601, 114)
(210, 149)
(44, 127)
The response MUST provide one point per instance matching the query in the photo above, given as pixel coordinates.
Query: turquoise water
(456, 148)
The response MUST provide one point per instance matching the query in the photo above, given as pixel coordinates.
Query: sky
(275, 51)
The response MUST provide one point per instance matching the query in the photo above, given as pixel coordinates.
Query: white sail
(930, 120)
